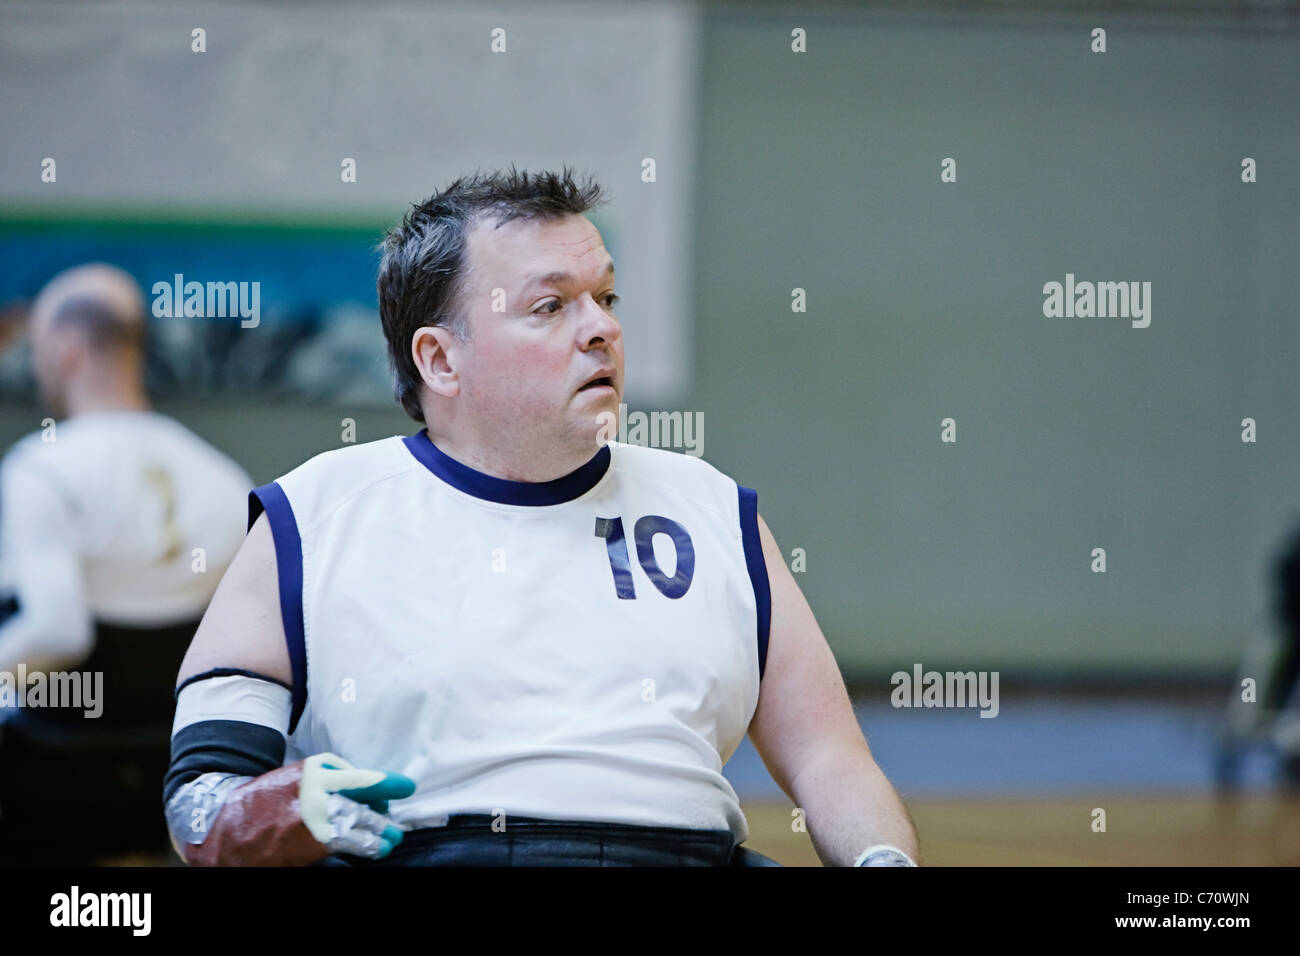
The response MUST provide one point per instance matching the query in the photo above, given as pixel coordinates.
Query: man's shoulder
(641, 459)
(687, 475)
(23, 452)
(193, 453)
(87, 443)
(47, 451)
(332, 476)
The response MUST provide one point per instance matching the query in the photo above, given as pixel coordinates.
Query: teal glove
(346, 807)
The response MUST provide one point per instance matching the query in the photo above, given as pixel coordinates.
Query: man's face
(524, 370)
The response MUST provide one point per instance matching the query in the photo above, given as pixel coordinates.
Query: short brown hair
(422, 273)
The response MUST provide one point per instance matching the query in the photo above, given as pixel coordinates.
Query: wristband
(883, 855)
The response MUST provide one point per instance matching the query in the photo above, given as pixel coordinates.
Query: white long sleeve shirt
(125, 518)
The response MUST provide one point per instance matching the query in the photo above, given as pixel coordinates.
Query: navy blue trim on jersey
(288, 560)
(228, 672)
(501, 490)
(757, 566)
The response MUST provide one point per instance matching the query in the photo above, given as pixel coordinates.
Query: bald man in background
(116, 523)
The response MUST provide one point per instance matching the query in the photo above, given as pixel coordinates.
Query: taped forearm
(231, 820)
(229, 802)
(291, 816)
(227, 798)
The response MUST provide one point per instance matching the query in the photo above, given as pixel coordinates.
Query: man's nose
(601, 326)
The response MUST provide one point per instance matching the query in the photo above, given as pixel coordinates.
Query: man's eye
(613, 299)
(554, 302)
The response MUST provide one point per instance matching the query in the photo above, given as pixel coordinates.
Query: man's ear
(71, 352)
(437, 354)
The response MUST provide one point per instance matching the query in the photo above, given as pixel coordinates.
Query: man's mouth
(603, 382)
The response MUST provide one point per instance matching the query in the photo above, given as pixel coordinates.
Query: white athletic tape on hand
(358, 829)
(194, 807)
(319, 783)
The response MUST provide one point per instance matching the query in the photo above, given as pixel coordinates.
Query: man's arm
(242, 627)
(229, 800)
(805, 731)
(41, 552)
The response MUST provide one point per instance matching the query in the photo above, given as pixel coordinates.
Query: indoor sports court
(991, 304)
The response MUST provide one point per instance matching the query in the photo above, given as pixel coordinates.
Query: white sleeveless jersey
(588, 648)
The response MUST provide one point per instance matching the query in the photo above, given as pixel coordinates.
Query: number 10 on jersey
(643, 532)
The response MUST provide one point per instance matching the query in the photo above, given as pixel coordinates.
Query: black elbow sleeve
(222, 746)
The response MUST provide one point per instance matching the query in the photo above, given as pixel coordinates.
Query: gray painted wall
(821, 171)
